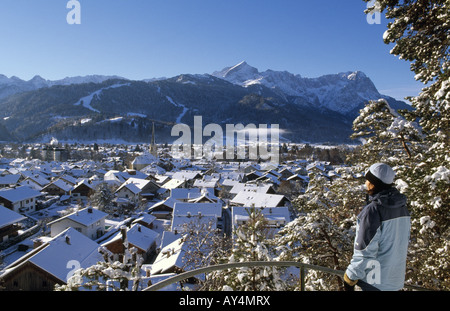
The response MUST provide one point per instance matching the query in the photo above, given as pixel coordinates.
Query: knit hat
(380, 175)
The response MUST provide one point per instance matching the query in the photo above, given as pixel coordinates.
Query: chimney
(123, 231)
(68, 239)
(89, 210)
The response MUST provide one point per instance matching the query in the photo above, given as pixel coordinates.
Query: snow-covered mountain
(13, 85)
(108, 107)
(342, 92)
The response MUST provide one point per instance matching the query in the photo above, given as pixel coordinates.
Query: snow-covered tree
(385, 135)
(323, 233)
(205, 246)
(420, 32)
(102, 198)
(251, 244)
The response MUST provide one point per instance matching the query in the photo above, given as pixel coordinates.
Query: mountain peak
(355, 75)
(239, 73)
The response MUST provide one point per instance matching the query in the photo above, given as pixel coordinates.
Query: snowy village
(57, 214)
(103, 189)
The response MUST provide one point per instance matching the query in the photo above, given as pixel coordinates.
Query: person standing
(382, 235)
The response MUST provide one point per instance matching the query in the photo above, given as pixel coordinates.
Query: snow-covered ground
(86, 101)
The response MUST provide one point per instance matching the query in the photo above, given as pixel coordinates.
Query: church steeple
(153, 148)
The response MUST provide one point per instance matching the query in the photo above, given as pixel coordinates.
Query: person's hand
(349, 285)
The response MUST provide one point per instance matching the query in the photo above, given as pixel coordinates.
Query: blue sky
(140, 39)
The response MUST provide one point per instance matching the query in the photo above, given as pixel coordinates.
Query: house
(88, 221)
(128, 192)
(10, 180)
(206, 183)
(58, 187)
(185, 194)
(286, 172)
(174, 183)
(251, 198)
(148, 187)
(117, 178)
(187, 175)
(196, 213)
(69, 179)
(256, 187)
(251, 168)
(9, 223)
(187, 178)
(253, 175)
(299, 179)
(51, 263)
(276, 217)
(145, 220)
(21, 199)
(138, 236)
(171, 259)
(163, 209)
(82, 190)
(143, 161)
(36, 182)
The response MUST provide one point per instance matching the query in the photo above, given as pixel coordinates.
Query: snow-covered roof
(63, 253)
(10, 179)
(170, 256)
(168, 202)
(62, 184)
(139, 182)
(186, 175)
(260, 188)
(141, 237)
(250, 198)
(146, 218)
(145, 159)
(40, 180)
(19, 194)
(201, 213)
(205, 183)
(86, 216)
(184, 209)
(9, 217)
(172, 184)
(56, 257)
(130, 186)
(84, 182)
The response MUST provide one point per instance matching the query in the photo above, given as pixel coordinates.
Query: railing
(303, 267)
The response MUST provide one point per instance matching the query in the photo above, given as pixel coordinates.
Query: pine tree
(324, 231)
(385, 135)
(420, 32)
(103, 198)
(251, 244)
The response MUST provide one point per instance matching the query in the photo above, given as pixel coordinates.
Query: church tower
(153, 147)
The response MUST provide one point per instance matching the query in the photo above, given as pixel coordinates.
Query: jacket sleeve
(366, 242)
